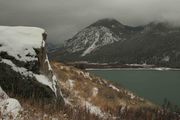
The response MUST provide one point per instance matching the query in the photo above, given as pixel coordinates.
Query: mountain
(102, 33)
(109, 41)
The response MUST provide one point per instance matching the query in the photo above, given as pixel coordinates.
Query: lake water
(150, 84)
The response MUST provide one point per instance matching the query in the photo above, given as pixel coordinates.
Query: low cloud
(63, 18)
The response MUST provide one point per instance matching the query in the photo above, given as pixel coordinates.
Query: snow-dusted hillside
(24, 64)
(80, 88)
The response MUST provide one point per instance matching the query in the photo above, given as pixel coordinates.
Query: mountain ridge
(152, 44)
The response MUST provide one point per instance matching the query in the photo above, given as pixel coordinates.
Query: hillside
(32, 88)
(109, 41)
(104, 99)
(96, 94)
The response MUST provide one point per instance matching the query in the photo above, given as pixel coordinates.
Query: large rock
(9, 107)
(24, 65)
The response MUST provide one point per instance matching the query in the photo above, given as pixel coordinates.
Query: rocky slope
(108, 41)
(24, 65)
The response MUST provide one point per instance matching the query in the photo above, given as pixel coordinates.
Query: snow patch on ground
(70, 83)
(95, 91)
(132, 96)
(82, 102)
(93, 109)
(86, 75)
(114, 88)
(67, 101)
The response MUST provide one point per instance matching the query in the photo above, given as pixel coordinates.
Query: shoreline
(106, 66)
(148, 69)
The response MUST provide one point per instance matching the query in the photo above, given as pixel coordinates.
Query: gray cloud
(63, 18)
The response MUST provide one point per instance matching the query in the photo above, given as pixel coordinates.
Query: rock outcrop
(24, 64)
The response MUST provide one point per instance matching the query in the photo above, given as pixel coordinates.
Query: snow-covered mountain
(103, 32)
(91, 39)
(25, 68)
(109, 41)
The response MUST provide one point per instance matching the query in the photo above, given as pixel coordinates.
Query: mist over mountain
(64, 18)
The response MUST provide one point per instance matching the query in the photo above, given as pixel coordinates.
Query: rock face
(109, 41)
(24, 65)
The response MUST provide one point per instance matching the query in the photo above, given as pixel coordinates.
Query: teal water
(150, 84)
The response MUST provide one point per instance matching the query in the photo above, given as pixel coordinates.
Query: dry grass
(38, 111)
(34, 110)
(107, 98)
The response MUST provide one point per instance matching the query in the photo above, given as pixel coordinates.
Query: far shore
(157, 69)
(106, 66)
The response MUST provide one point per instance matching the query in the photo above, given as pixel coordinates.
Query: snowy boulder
(9, 107)
(24, 64)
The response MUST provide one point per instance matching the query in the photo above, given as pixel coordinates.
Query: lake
(150, 84)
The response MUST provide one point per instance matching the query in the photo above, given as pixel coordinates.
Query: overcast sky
(63, 18)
